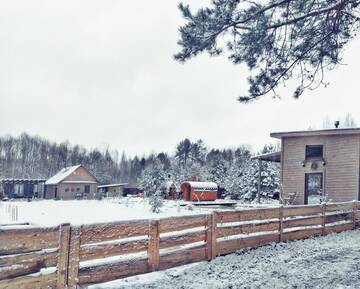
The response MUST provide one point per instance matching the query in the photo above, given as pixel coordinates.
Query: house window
(72, 190)
(78, 189)
(66, 189)
(314, 152)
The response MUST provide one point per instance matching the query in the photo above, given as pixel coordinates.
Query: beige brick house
(70, 183)
(317, 163)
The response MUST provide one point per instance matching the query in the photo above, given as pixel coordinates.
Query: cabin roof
(64, 173)
(322, 132)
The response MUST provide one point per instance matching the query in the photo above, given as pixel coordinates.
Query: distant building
(112, 190)
(318, 164)
(22, 188)
(199, 191)
(71, 183)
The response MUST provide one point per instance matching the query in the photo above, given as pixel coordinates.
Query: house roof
(270, 157)
(63, 174)
(322, 132)
(113, 185)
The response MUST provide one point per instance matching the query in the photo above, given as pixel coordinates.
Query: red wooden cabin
(199, 191)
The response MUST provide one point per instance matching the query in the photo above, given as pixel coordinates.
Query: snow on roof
(113, 185)
(203, 186)
(61, 175)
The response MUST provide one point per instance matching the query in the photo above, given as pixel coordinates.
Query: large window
(314, 152)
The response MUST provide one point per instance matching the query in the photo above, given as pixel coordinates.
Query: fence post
(281, 218)
(354, 211)
(213, 246)
(63, 256)
(323, 218)
(73, 263)
(154, 242)
(208, 237)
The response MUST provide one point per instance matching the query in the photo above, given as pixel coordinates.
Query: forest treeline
(27, 156)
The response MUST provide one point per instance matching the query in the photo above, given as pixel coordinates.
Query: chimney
(337, 123)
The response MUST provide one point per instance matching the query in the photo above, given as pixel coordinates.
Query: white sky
(101, 73)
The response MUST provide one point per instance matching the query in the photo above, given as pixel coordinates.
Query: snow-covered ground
(76, 212)
(51, 212)
(326, 262)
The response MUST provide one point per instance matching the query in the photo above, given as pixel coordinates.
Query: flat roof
(270, 157)
(321, 132)
(113, 185)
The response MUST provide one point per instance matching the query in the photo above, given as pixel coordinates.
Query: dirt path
(325, 262)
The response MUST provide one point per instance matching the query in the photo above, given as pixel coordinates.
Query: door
(313, 188)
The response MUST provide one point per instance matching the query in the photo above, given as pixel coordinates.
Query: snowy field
(77, 212)
(326, 262)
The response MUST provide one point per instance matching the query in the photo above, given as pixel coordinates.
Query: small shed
(112, 190)
(22, 188)
(199, 191)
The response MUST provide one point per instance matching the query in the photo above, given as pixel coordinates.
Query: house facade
(71, 183)
(318, 164)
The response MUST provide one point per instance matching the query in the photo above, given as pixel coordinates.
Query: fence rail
(68, 255)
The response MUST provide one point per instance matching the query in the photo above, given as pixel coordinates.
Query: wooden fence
(79, 255)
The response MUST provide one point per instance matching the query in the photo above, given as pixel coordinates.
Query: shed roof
(19, 181)
(63, 174)
(321, 132)
(113, 185)
(202, 185)
(270, 157)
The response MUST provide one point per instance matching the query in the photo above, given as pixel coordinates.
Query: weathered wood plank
(305, 210)
(112, 231)
(247, 228)
(233, 245)
(62, 266)
(338, 217)
(48, 259)
(109, 250)
(208, 237)
(182, 223)
(183, 257)
(17, 270)
(153, 249)
(333, 207)
(214, 235)
(338, 228)
(301, 234)
(302, 222)
(74, 250)
(187, 238)
(104, 273)
(30, 282)
(15, 241)
(248, 215)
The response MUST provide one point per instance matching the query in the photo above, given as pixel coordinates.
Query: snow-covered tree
(153, 182)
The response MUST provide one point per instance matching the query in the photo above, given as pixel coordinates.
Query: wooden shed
(199, 191)
(112, 190)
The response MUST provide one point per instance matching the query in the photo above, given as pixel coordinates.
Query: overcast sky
(101, 73)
